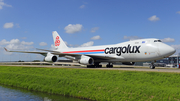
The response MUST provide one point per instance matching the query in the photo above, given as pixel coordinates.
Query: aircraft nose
(171, 50)
(166, 50)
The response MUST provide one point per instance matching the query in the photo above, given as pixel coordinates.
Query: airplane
(127, 53)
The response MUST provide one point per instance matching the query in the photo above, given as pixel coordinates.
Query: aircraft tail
(58, 42)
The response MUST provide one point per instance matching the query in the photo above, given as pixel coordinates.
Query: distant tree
(36, 61)
(20, 61)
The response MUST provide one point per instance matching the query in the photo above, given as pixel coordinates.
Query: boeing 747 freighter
(127, 52)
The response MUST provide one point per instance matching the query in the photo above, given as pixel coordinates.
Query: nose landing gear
(152, 66)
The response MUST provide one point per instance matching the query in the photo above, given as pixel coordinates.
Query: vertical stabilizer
(58, 42)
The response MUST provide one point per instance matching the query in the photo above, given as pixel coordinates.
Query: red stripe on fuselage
(85, 51)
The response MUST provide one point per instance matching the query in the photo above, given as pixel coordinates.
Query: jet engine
(86, 60)
(50, 58)
(128, 63)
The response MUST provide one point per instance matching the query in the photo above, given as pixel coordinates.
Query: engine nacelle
(128, 63)
(86, 60)
(50, 58)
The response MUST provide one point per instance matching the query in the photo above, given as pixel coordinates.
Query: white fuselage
(130, 51)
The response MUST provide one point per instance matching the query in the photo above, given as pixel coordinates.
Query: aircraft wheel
(90, 66)
(152, 67)
(109, 66)
(96, 65)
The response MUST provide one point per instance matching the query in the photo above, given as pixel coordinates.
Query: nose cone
(166, 50)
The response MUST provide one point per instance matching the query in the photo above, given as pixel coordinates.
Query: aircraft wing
(42, 53)
(64, 54)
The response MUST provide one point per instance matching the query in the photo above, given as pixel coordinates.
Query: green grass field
(102, 85)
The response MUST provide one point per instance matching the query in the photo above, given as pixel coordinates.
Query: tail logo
(57, 42)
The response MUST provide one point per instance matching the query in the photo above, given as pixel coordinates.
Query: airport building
(172, 61)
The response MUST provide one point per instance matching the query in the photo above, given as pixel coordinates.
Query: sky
(28, 24)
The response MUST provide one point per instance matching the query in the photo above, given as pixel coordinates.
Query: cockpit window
(157, 41)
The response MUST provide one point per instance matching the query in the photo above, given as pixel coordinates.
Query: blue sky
(28, 24)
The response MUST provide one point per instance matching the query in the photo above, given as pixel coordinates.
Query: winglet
(6, 49)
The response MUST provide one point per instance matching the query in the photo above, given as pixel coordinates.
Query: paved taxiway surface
(158, 69)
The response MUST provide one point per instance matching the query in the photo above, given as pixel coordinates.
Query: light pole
(178, 60)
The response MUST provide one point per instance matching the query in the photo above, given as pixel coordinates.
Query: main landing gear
(109, 65)
(96, 65)
(152, 66)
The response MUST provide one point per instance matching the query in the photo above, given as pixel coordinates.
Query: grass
(95, 84)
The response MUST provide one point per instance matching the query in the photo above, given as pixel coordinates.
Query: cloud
(131, 37)
(2, 4)
(4, 42)
(16, 44)
(73, 28)
(43, 44)
(96, 37)
(27, 43)
(94, 29)
(178, 12)
(13, 41)
(52, 47)
(90, 43)
(153, 18)
(177, 47)
(17, 25)
(82, 6)
(168, 40)
(8, 25)
(24, 38)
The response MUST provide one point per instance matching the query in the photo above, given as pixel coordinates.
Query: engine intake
(50, 58)
(86, 60)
